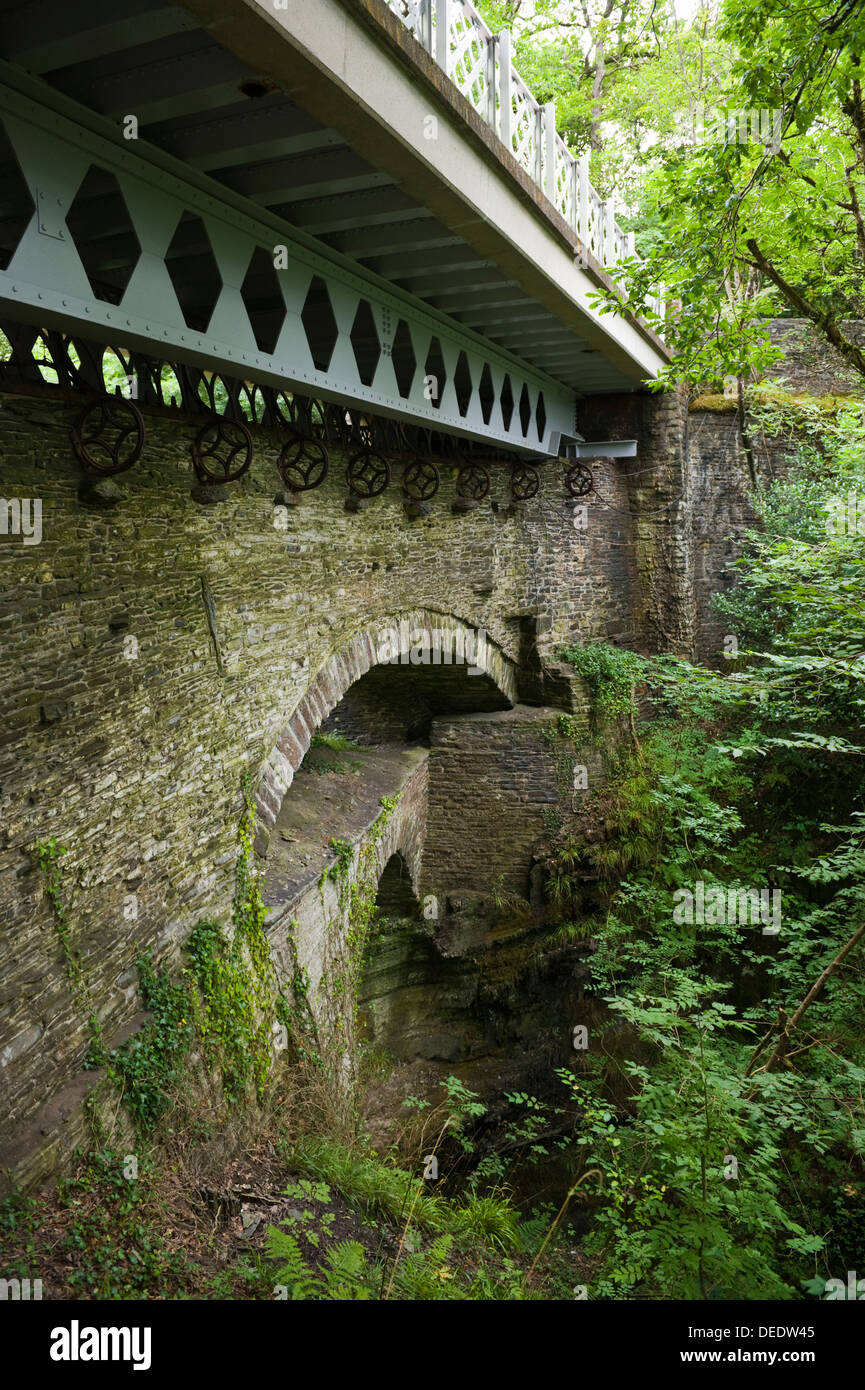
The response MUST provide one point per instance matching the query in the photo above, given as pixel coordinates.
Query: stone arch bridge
(278, 375)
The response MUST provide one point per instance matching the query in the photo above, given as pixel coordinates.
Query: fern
(424, 1276)
(293, 1271)
(346, 1277)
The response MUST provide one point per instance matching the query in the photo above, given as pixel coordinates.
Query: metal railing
(479, 63)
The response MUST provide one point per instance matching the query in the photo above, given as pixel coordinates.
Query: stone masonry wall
(152, 651)
(812, 364)
(493, 782)
(719, 486)
(652, 526)
(309, 932)
(718, 479)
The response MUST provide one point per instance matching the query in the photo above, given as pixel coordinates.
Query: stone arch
(396, 895)
(393, 636)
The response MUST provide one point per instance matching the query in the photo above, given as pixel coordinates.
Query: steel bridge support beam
(327, 322)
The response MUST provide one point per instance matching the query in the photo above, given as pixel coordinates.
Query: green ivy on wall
(611, 673)
(226, 1002)
(347, 935)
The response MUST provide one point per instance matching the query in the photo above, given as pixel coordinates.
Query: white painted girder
(46, 284)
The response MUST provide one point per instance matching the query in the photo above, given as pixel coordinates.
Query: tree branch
(780, 1050)
(795, 298)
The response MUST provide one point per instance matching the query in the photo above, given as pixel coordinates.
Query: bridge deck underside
(200, 103)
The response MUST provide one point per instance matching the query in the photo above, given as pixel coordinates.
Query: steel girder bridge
(346, 217)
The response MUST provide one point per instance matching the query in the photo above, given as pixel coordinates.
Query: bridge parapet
(480, 64)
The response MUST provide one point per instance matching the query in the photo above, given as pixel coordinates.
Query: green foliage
(374, 1184)
(224, 1007)
(569, 728)
(339, 872)
(620, 73)
(343, 1277)
(235, 994)
(355, 873)
(800, 604)
(20, 1218)
(226, 1000)
(669, 1223)
(321, 767)
(722, 1157)
(743, 231)
(151, 1064)
(610, 673)
(115, 1234)
(462, 1107)
(251, 952)
(477, 1229)
(293, 1006)
(317, 1224)
(335, 741)
(367, 1182)
(490, 1219)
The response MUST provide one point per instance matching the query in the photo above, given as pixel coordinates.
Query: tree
(587, 56)
(763, 213)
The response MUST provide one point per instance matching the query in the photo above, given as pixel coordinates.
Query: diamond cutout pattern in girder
(193, 272)
(16, 201)
(403, 358)
(541, 416)
(104, 235)
(525, 410)
(263, 301)
(463, 384)
(365, 343)
(486, 393)
(435, 374)
(319, 323)
(507, 402)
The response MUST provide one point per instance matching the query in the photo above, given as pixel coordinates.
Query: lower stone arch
(395, 894)
(394, 638)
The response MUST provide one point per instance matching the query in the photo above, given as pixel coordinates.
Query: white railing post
(574, 177)
(443, 35)
(490, 65)
(505, 90)
(583, 209)
(548, 114)
(609, 245)
(532, 126)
